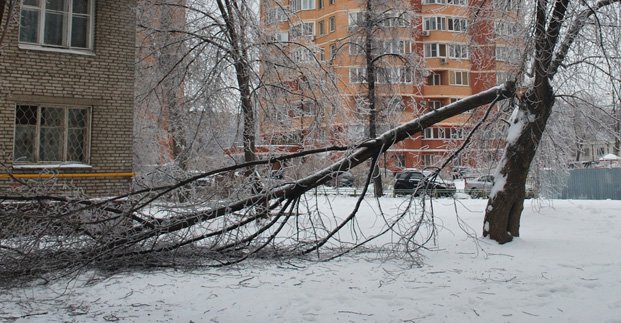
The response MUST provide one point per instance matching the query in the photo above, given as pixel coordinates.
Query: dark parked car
(420, 182)
(344, 179)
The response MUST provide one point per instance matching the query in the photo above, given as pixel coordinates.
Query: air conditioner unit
(443, 61)
(425, 33)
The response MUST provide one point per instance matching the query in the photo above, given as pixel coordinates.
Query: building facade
(428, 53)
(67, 97)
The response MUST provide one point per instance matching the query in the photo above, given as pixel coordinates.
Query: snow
(564, 268)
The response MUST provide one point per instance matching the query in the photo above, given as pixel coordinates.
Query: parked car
(459, 172)
(344, 179)
(481, 186)
(420, 182)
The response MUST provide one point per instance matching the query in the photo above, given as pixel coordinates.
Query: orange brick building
(455, 48)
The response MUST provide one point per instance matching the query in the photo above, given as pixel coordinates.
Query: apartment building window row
(451, 2)
(57, 23)
(440, 23)
(443, 133)
(456, 51)
(302, 29)
(297, 5)
(51, 134)
(507, 54)
(393, 46)
(459, 78)
(384, 75)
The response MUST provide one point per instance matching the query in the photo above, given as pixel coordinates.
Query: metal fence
(582, 184)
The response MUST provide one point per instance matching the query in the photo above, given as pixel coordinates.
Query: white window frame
(358, 74)
(459, 78)
(434, 1)
(41, 12)
(303, 29)
(332, 23)
(37, 140)
(434, 23)
(435, 78)
(355, 19)
(457, 24)
(299, 5)
(458, 51)
(435, 49)
(457, 2)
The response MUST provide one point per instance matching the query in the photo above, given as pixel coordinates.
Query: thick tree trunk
(504, 208)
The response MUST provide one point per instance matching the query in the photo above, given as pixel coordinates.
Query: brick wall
(103, 81)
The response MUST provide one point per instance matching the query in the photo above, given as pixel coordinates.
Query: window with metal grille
(51, 134)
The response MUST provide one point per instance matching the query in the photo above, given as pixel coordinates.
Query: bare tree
(382, 34)
(8, 12)
(556, 26)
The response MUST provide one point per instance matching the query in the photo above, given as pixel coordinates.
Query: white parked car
(479, 186)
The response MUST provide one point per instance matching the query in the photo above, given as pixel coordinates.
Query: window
(434, 79)
(434, 1)
(356, 19)
(322, 27)
(457, 2)
(319, 4)
(395, 46)
(282, 36)
(459, 51)
(434, 23)
(297, 5)
(435, 50)
(303, 29)
(435, 104)
(502, 77)
(302, 55)
(392, 75)
(457, 24)
(507, 54)
(356, 47)
(395, 19)
(457, 133)
(322, 54)
(274, 15)
(332, 2)
(459, 78)
(332, 51)
(357, 75)
(51, 134)
(332, 24)
(57, 23)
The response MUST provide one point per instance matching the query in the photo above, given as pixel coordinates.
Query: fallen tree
(227, 233)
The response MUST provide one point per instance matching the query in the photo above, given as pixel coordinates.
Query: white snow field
(566, 267)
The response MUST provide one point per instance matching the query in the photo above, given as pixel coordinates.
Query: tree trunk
(378, 188)
(506, 202)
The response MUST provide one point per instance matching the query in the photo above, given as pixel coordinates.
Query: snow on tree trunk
(506, 201)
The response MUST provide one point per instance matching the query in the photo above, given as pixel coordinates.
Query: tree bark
(378, 188)
(504, 208)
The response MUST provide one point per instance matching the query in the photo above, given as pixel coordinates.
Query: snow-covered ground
(566, 267)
